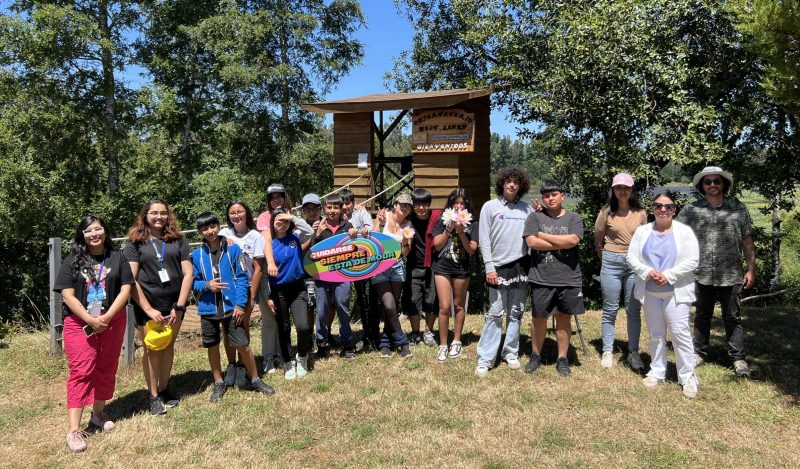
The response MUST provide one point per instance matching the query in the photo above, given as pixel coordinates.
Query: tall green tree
(769, 160)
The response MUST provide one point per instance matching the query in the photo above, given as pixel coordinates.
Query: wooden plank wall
(352, 134)
(442, 172)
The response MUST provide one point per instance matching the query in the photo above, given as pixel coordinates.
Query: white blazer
(681, 275)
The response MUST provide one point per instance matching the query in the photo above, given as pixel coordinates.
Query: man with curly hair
(505, 256)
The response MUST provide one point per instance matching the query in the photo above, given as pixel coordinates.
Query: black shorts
(210, 328)
(421, 296)
(547, 300)
(142, 317)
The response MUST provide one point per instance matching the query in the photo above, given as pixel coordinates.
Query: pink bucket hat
(622, 179)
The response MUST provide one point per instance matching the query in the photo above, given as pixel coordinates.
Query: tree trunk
(775, 278)
(108, 138)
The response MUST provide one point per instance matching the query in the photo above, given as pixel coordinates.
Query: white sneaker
(689, 390)
(513, 362)
(428, 338)
(482, 371)
(230, 374)
(455, 349)
(76, 441)
(302, 366)
(291, 372)
(442, 356)
(608, 360)
(650, 382)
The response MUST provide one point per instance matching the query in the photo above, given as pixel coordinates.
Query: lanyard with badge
(96, 293)
(162, 272)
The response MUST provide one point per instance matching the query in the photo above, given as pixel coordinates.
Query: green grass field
(375, 412)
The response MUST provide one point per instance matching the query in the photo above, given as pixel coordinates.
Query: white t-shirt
(252, 244)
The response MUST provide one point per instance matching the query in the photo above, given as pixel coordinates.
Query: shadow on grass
(182, 385)
(773, 347)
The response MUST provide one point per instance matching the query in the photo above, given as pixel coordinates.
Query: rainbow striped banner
(342, 258)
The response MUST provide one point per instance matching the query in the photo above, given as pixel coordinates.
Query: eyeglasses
(312, 208)
(406, 206)
(155, 214)
(95, 230)
(667, 207)
(712, 182)
(237, 214)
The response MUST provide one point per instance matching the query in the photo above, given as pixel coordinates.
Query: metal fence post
(56, 320)
(128, 342)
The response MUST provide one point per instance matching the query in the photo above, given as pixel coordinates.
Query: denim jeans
(615, 278)
(336, 295)
(510, 300)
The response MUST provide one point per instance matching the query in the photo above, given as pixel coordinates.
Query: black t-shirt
(453, 258)
(343, 227)
(416, 258)
(161, 296)
(116, 273)
(555, 268)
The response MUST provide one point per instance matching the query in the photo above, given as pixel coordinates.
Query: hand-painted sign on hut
(443, 130)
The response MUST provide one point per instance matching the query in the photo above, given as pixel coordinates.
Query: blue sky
(385, 36)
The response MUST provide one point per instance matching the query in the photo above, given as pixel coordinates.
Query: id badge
(95, 308)
(163, 275)
(96, 293)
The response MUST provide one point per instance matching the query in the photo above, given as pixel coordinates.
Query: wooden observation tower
(450, 143)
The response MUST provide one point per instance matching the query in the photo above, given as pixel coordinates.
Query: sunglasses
(667, 207)
(712, 182)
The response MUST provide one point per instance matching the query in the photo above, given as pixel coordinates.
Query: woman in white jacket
(663, 256)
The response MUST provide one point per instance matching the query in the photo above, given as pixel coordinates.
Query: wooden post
(128, 342)
(56, 320)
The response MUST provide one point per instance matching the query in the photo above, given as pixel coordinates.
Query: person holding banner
(389, 284)
(362, 225)
(95, 283)
(452, 240)
(161, 262)
(333, 295)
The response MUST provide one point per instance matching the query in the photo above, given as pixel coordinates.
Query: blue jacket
(232, 272)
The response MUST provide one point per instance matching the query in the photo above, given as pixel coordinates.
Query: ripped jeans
(508, 300)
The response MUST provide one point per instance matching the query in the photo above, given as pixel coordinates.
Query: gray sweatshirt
(500, 232)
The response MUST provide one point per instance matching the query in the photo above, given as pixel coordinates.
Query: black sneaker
(323, 351)
(405, 351)
(562, 366)
(169, 399)
(349, 353)
(533, 363)
(386, 352)
(414, 338)
(262, 387)
(218, 392)
(157, 406)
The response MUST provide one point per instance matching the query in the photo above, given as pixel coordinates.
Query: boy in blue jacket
(221, 285)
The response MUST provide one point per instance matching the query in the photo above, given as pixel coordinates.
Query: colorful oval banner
(342, 258)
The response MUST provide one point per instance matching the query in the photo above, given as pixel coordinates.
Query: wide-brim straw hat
(697, 181)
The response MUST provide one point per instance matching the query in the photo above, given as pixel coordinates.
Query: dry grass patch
(374, 412)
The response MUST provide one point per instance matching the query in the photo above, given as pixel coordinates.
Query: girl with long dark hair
(613, 230)
(453, 246)
(242, 231)
(161, 262)
(95, 283)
